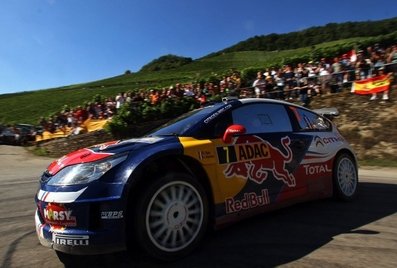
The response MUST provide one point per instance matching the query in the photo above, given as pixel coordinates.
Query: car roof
(249, 100)
(263, 100)
(24, 125)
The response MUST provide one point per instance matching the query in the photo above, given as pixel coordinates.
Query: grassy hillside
(28, 107)
(314, 35)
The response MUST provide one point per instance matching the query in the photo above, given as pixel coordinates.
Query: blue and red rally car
(208, 168)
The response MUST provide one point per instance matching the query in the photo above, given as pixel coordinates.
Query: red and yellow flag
(371, 85)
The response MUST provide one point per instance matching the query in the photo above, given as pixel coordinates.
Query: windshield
(180, 125)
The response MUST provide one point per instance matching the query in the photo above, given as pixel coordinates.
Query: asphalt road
(324, 233)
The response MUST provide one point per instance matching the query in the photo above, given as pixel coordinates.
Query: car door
(316, 166)
(263, 159)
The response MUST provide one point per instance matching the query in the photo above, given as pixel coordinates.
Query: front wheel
(345, 177)
(70, 260)
(171, 216)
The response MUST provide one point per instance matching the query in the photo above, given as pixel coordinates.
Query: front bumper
(82, 227)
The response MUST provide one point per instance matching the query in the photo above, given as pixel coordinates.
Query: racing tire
(345, 178)
(70, 260)
(170, 217)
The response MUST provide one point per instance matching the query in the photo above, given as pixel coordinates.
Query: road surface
(323, 233)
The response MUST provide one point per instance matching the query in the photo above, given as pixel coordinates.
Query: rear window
(309, 121)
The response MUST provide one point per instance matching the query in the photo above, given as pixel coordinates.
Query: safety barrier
(89, 125)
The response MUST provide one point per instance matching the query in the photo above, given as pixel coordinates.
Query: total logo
(316, 169)
(57, 214)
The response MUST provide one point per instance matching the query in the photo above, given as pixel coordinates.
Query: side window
(262, 118)
(308, 121)
(216, 128)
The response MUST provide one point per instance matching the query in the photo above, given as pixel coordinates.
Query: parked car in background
(9, 136)
(18, 134)
(208, 168)
(28, 133)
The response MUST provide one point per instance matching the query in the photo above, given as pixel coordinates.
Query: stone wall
(62, 146)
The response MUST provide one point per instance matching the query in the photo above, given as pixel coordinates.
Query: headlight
(85, 173)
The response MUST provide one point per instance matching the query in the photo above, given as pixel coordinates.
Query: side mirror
(231, 131)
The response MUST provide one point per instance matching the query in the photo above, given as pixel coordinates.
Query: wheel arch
(348, 152)
(336, 190)
(162, 164)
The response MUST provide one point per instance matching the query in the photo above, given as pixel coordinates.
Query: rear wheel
(345, 177)
(171, 216)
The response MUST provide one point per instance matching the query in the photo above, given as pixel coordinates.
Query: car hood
(104, 150)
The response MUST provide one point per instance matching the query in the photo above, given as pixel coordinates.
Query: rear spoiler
(329, 113)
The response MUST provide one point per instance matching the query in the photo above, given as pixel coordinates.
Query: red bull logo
(253, 158)
(249, 201)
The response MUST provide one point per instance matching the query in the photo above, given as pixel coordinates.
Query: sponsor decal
(217, 113)
(316, 169)
(318, 141)
(56, 214)
(326, 140)
(70, 240)
(149, 140)
(205, 155)
(111, 215)
(332, 139)
(252, 158)
(249, 201)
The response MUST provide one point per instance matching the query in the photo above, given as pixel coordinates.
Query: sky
(52, 43)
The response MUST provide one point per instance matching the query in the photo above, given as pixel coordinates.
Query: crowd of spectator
(298, 83)
(73, 119)
(326, 76)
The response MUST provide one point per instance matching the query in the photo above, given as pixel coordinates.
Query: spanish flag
(371, 85)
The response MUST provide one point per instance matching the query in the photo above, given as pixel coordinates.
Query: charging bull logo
(253, 158)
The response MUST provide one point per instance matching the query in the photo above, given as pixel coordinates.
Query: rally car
(208, 168)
